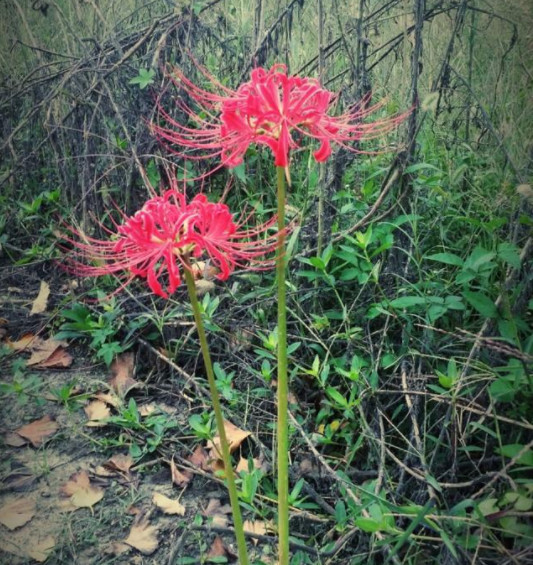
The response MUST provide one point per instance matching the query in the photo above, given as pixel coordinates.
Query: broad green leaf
(349, 274)
(368, 525)
(502, 390)
(510, 254)
(511, 450)
(482, 303)
(240, 172)
(447, 258)
(407, 301)
(479, 257)
(337, 397)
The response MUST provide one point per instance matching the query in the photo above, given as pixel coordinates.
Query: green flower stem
(226, 457)
(283, 386)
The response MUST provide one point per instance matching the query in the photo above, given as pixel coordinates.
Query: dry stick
(488, 342)
(416, 430)
(334, 45)
(79, 67)
(503, 471)
(481, 411)
(331, 472)
(416, 55)
(266, 37)
(133, 150)
(202, 391)
(490, 125)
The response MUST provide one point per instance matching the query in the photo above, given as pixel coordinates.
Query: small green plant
(144, 78)
(203, 425)
(69, 396)
(102, 329)
(142, 434)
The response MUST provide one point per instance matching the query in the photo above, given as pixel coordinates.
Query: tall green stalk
(226, 457)
(283, 386)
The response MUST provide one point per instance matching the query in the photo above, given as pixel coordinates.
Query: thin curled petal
(267, 110)
(153, 243)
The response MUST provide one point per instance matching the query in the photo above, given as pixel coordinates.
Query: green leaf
(368, 525)
(349, 274)
(447, 258)
(502, 390)
(482, 303)
(510, 254)
(407, 301)
(421, 166)
(337, 397)
(240, 172)
(318, 263)
(144, 78)
(513, 449)
(479, 257)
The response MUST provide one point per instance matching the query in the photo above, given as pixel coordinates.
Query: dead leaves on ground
(234, 435)
(17, 512)
(122, 380)
(142, 537)
(168, 505)
(44, 353)
(36, 432)
(81, 492)
(180, 478)
(219, 549)
(218, 512)
(40, 303)
(97, 412)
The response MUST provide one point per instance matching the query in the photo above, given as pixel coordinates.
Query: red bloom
(273, 109)
(155, 242)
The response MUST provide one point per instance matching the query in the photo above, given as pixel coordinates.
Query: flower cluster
(165, 234)
(273, 109)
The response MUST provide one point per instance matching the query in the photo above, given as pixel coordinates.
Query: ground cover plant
(400, 312)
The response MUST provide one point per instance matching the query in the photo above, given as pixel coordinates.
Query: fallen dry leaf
(180, 478)
(199, 458)
(203, 286)
(526, 191)
(109, 398)
(17, 512)
(168, 505)
(120, 463)
(43, 351)
(96, 412)
(36, 432)
(217, 512)
(217, 549)
(14, 440)
(255, 527)
(81, 493)
(60, 358)
(122, 380)
(42, 549)
(118, 548)
(257, 464)
(147, 409)
(27, 341)
(19, 478)
(143, 537)
(39, 304)
(234, 435)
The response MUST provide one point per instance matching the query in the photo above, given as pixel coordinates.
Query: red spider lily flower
(273, 109)
(165, 234)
